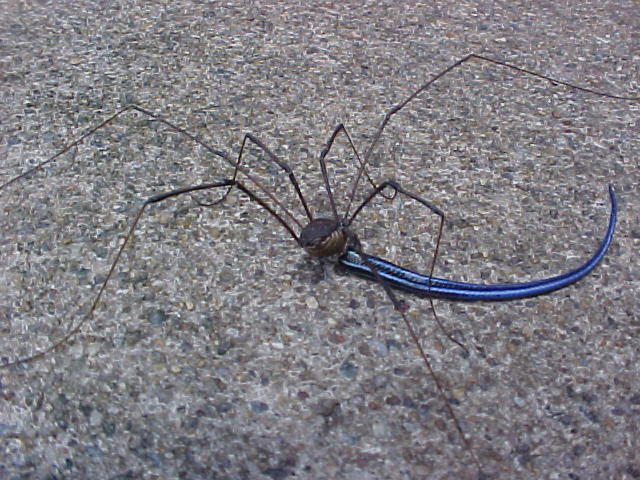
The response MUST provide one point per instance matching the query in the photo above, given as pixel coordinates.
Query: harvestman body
(322, 237)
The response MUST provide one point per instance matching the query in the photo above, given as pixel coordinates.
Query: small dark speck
(565, 419)
(101, 252)
(327, 407)
(93, 451)
(224, 347)
(392, 400)
(618, 411)
(408, 403)
(277, 473)
(350, 439)
(370, 302)
(423, 410)
(109, 428)
(506, 323)
(590, 414)
(578, 450)
(391, 343)
(86, 410)
(258, 407)
(525, 458)
(349, 370)
(635, 399)
(223, 407)
(633, 470)
(132, 337)
(157, 317)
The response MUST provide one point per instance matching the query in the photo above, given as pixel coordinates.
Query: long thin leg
(325, 175)
(441, 74)
(355, 243)
(155, 199)
(398, 189)
(378, 190)
(68, 147)
(282, 165)
(402, 308)
(237, 167)
(109, 120)
(416, 93)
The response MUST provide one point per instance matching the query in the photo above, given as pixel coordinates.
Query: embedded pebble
(312, 303)
(258, 406)
(349, 370)
(157, 317)
(379, 348)
(95, 418)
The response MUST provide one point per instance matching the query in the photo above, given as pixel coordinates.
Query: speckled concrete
(220, 350)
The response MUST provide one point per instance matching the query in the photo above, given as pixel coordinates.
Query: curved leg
(230, 183)
(282, 165)
(402, 307)
(236, 165)
(458, 63)
(107, 121)
(398, 189)
(362, 170)
(398, 304)
(377, 190)
(196, 139)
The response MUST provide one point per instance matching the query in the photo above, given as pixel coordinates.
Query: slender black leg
(362, 170)
(458, 63)
(134, 224)
(217, 153)
(106, 122)
(282, 165)
(398, 189)
(402, 308)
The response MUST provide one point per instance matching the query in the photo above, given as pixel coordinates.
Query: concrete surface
(220, 350)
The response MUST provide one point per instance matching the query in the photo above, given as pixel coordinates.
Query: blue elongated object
(423, 285)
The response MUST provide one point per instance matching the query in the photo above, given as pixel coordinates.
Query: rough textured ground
(220, 350)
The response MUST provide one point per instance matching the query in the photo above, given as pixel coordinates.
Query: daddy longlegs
(322, 237)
